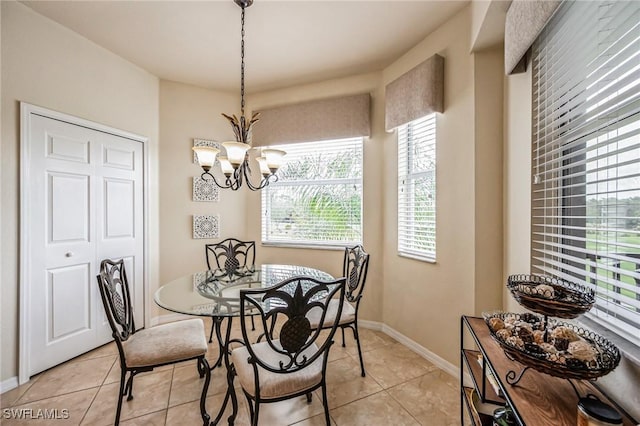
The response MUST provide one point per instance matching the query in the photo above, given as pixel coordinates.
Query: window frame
(422, 131)
(570, 126)
(311, 182)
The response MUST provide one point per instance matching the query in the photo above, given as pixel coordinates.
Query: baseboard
(371, 325)
(7, 385)
(417, 348)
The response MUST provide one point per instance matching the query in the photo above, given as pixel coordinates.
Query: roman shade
(416, 93)
(524, 21)
(318, 120)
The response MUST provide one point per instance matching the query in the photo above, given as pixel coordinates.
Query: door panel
(69, 301)
(119, 203)
(68, 203)
(68, 149)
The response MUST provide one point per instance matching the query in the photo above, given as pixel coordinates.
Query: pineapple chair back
(295, 363)
(354, 269)
(145, 349)
(230, 258)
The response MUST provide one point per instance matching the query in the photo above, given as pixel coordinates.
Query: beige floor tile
(377, 409)
(189, 413)
(10, 398)
(151, 393)
(395, 364)
(154, 419)
(345, 384)
(369, 340)
(69, 377)
(187, 385)
(289, 411)
(67, 409)
(114, 373)
(315, 421)
(430, 396)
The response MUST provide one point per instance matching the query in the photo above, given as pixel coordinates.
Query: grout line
(90, 404)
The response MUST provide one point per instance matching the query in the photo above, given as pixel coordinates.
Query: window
(586, 156)
(417, 189)
(317, 200)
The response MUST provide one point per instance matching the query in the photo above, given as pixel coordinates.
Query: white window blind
(417, 188)
(586, 156)
(317, 200)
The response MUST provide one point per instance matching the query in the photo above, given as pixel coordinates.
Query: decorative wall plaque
(204, 190)
(206, 226)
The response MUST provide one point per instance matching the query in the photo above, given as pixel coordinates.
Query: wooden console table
(536, 400)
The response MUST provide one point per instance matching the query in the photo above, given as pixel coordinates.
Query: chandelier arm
(249, 183)
(207, 173)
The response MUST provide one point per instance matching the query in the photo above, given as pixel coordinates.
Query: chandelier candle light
(235, 166)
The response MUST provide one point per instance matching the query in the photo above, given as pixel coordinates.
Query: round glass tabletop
(216, 293)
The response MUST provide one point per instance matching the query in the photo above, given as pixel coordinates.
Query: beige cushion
(166, 343)
(274, 385)
(348, 314)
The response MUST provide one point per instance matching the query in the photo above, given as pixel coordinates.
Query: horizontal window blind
(586, 156)
(417, 188)
(317, 200)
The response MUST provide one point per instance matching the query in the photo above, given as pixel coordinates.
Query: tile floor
(401, 388)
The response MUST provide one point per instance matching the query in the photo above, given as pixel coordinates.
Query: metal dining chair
(295, 364)
(354, 269)
(232, 257)
(146, 349)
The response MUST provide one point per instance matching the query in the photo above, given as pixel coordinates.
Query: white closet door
(86, 204)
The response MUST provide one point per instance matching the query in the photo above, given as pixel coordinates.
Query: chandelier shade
(235, 165)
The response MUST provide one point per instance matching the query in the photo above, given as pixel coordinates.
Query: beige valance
(416, 93)
(324, 119)
(524, 22)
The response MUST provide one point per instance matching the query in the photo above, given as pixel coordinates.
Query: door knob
(68, 254)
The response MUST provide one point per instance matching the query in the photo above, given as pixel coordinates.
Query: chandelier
(235, 166)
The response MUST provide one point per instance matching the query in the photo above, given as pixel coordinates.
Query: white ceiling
(287, 42)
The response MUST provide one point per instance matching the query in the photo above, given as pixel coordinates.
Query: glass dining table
(216, 294)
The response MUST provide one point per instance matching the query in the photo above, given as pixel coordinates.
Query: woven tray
(607, 356)
(551, 296)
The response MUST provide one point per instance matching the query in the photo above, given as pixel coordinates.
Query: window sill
(417, 257)
(307, 246)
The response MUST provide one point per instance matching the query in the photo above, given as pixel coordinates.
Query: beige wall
(373, 198)
(488, 98)
(50, 66)
(188, 112)
(517, 180)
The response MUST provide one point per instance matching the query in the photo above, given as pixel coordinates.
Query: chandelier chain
(242, 65)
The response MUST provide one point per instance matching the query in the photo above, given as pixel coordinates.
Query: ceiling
(287, 42)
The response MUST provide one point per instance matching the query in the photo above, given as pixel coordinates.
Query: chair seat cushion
(275, 385)
(348, 314)
(166, 343)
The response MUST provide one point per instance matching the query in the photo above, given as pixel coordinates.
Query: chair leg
(253, 324)
(254, 419)
(203, 365)
(123, 375)
(309, 397)
(325, 402)
(212, 327)
(342, 329)
(357, 337)
(129, 387)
